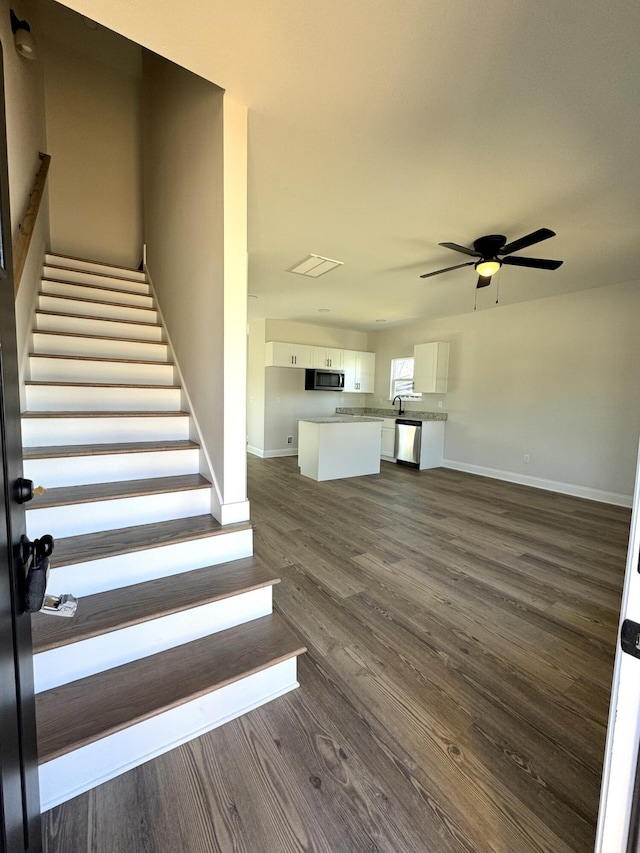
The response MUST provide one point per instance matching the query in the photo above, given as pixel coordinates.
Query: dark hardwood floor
(454, 697)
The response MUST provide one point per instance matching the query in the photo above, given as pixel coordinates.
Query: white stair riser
(110, 468)
(93, 266)
(43, 369)
(52, 431)
(164, 561)
(76, 519)
(79, 771)
(115, 281)
(96, 309)
(47, 398)
(97, 326)
(97, 654)
(104, 294)
(98, 347)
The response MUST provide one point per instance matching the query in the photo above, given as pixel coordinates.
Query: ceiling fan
(493, 251)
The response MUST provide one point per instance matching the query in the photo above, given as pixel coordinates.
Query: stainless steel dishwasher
(408, 442)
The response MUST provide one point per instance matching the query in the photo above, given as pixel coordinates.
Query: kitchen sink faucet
(400, 409)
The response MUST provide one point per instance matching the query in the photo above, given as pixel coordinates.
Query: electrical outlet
(439, 404)
(289, 439)
(526, 458)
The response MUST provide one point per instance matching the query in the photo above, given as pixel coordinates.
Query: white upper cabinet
(327, 357)
(288, 355)
(431, 367)
(359, 371)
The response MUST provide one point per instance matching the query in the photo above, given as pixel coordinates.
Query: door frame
(20, 822)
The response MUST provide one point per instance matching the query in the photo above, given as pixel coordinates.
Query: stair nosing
(115, 616)
(96, 337)
(90, 547)
(104, 414)
(91, 272)
(94, 286)
(61, 496)
(62, 383)
(60, 451)
(102, 359)
(96, 302)
(147, 688)
(48, 313)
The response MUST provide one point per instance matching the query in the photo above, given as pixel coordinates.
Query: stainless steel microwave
(323, 380)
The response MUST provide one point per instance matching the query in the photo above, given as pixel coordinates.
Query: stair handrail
(22, 239)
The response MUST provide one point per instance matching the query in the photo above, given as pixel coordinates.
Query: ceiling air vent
(315, 266)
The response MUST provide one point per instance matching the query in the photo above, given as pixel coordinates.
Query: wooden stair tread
(53, 333)
(67, 495)
(88, 547)
(95, 286)
(87, 261)
(119, 608)
(105, 414)
(50, 452)
(95, 301)
(87, 710)
(100, 319)
(101, 359)
(64, 384)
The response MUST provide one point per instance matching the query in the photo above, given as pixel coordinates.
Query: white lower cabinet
(388, 448)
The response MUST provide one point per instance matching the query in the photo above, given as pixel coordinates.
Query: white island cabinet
(336, 447)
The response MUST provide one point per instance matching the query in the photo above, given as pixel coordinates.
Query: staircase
(174, 633)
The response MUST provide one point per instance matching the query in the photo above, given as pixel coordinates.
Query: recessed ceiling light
(381, 321)
(315, 266)
(324, 310)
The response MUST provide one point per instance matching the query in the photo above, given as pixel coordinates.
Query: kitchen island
(332, 448)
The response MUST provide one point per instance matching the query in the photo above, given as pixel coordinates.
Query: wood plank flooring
(454, 697)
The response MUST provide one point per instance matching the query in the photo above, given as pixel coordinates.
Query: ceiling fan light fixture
(488, 266)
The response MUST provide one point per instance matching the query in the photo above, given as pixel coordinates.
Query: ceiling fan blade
(447, 269)
(535, 263)
(528, 240)
(458, 248)
(483, 281)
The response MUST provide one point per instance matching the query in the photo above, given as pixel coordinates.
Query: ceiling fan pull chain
(498, 287)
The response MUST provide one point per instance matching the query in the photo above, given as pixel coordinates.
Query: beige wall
(26, 137)
(196, 252)
(555, 378)
(93, 130)
(276, 396)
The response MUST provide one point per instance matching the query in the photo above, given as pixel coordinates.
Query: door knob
(25, 490)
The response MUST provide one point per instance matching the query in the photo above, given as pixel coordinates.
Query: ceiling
(380, 128)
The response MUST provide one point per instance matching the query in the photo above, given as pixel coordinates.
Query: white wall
(95, 182)
(555, 378)
(276, 396)
(195, 229)
(26, 137)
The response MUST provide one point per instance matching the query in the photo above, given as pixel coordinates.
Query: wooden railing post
(28, 222)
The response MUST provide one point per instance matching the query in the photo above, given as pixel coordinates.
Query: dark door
(19, 800)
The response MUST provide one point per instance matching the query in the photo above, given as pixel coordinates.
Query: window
(402, 380)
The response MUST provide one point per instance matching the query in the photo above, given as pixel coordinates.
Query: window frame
(393, 393)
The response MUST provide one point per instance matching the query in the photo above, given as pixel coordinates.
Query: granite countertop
(341, 419)
(412, 414)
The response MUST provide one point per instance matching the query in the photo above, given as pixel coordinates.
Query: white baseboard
(91, 765)
(233, 513)
(539, 483)
(272, 454)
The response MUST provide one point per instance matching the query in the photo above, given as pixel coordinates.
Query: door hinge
(630, 638)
